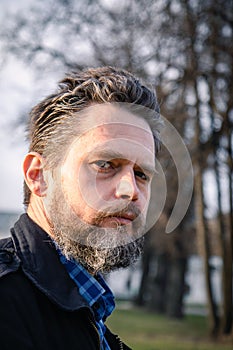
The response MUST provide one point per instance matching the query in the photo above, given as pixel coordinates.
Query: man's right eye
(102, 164)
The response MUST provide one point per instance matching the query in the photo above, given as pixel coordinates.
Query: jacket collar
(41, 264)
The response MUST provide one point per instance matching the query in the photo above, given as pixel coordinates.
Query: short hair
(49, 119)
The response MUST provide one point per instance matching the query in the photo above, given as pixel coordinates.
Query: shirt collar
(93, 289)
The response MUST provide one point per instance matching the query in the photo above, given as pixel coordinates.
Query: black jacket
(40, 307)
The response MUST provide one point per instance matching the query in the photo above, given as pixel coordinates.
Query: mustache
(121, 210)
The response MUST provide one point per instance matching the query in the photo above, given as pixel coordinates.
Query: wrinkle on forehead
(117, 129)
(101, 115)
(130, 144)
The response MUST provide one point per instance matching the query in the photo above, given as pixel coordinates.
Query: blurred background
(183, 49)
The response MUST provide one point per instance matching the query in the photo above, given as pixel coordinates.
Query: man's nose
(127, 187)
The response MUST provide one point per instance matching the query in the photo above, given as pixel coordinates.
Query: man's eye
(103, 164)
(142, 175)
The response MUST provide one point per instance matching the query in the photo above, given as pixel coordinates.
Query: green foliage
(143, 330)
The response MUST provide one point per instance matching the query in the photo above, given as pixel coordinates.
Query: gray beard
(100, 260)
(97, 249)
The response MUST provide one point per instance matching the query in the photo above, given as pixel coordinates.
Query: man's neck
(37, 213)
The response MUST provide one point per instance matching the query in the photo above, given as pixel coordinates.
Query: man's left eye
(142, 175)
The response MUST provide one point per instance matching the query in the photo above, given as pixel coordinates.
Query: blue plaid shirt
(95, 291)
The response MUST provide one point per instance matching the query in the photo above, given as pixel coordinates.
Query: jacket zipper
(121, 346)
(97, 332)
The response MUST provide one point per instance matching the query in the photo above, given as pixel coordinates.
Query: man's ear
(34, 173)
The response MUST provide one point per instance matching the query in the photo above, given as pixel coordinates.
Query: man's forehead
(109, 128)
(98, 115)
(117, 136)
(119, 130)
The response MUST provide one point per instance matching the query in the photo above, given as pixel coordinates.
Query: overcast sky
(17, 96)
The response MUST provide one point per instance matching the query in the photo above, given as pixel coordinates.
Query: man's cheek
(96, 192)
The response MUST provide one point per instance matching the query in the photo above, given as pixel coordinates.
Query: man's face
(104, 181)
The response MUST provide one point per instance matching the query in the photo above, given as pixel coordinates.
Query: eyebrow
(111, 154)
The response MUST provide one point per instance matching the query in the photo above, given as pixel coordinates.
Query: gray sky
(19, 94)
(16, 93)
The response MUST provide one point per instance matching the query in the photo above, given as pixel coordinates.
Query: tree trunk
(227, 318)
(164, 289)
(201, 225)
(158, 283)
(176, 288)
(146, 260)
(203, 245)
(225, 228)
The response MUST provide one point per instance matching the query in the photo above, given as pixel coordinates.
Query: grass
(142, 330)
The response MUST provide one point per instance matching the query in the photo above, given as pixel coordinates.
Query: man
(87, 187)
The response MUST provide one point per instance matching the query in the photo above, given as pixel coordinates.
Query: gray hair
(51, 124)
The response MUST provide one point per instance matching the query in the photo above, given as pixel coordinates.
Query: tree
(184, 48)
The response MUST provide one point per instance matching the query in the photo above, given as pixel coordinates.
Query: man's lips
(121, 218)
